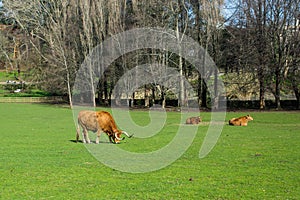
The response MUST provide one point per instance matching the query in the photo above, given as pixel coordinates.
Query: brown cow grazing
(241, 121)
(100, 121)
(193, 120)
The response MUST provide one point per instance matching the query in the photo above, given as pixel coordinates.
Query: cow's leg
(85, 136)
(98, 136)
(111, 139)
(243, 124)
(117, 141)
(77, 133)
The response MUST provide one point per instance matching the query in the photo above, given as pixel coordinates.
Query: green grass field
(39, 160)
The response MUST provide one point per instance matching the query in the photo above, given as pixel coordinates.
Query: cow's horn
(116, 135)
(127, 134)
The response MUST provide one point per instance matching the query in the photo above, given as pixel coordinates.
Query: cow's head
(249, 118)
(117, 136)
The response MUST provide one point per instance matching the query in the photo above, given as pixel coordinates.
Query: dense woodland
(254, 43)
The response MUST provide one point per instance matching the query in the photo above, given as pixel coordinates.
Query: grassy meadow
(40, 160)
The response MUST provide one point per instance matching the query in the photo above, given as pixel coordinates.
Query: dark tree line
(256, 41)
(267, 31)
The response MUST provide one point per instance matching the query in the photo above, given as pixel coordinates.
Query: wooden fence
(51, 99)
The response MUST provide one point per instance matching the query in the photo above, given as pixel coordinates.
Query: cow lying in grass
(193, 120)
(241, 121)
(100, 121)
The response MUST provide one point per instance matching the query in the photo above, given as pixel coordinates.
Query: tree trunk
(153, 96)
(163, 98)
(277, 90)
(262, 104)
(180, 65)
(203, 94)
(181, 99)
(199, 89)
(147, 97)
(297, 94)
(216, 93)
(296, 87)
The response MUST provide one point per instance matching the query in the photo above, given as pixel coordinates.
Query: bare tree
(293, 70)
(209, 23)
(51, 23)
(262, 29)
(282, 14)
(60, 34)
